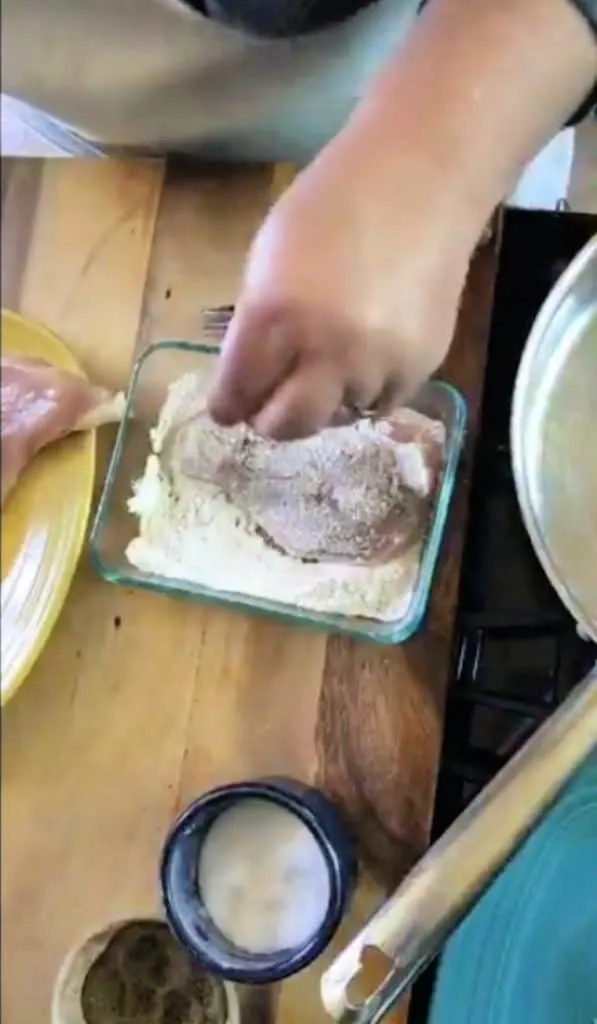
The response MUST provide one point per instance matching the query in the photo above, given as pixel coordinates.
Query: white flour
(189, 531)
(263, 878)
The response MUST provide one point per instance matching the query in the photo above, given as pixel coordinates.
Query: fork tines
(215, 321)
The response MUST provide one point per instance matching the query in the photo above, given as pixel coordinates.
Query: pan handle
(413, 925)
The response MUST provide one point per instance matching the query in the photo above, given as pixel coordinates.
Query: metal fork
(215, 322)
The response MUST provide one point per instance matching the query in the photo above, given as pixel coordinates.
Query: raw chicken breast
(357, 493)
(41, 403)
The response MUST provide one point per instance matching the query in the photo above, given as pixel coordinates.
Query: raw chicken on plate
(42, 403)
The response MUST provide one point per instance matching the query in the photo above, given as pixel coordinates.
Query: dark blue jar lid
(184, 907)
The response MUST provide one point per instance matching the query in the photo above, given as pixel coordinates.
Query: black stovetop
(516, 651)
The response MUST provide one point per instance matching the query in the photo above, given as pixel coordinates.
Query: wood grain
(206, 219)
(88, 256)
(21, 184)
(140, 702)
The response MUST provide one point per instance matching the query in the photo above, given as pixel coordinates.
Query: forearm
(480, 87)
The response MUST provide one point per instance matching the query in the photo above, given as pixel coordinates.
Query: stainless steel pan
(554, 454)
(554, 437)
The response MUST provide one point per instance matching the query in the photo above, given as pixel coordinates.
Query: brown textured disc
(144, 976)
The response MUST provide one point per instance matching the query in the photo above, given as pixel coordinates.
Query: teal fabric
(528, 953)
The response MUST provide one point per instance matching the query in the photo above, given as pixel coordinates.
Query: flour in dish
(334, 523)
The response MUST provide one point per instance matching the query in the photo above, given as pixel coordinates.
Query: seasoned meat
(40, 404)
(357, 493)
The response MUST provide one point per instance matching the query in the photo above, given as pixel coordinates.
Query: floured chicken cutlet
(334, 523)
(42, 403)
(356, 493)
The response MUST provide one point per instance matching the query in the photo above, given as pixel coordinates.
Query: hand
(351, 290)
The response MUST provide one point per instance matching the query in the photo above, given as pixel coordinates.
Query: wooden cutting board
(140, 702)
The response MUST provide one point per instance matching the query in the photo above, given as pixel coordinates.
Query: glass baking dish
(114, 527)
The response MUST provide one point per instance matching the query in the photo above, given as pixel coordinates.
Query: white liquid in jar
(263, 878)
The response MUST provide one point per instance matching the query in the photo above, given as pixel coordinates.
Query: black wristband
(588, 108)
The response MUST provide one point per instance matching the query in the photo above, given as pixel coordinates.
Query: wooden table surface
(140, 702)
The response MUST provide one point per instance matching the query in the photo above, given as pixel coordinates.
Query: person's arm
(484, 84)
(352, 287)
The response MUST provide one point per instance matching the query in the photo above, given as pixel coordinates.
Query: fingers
(290, 379)
(370, 394)
(257, 355)
(389, 398)
(305, 403)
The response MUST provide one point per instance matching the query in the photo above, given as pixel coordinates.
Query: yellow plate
(44, 522)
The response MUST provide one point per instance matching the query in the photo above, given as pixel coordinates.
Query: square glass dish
(115, 526)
